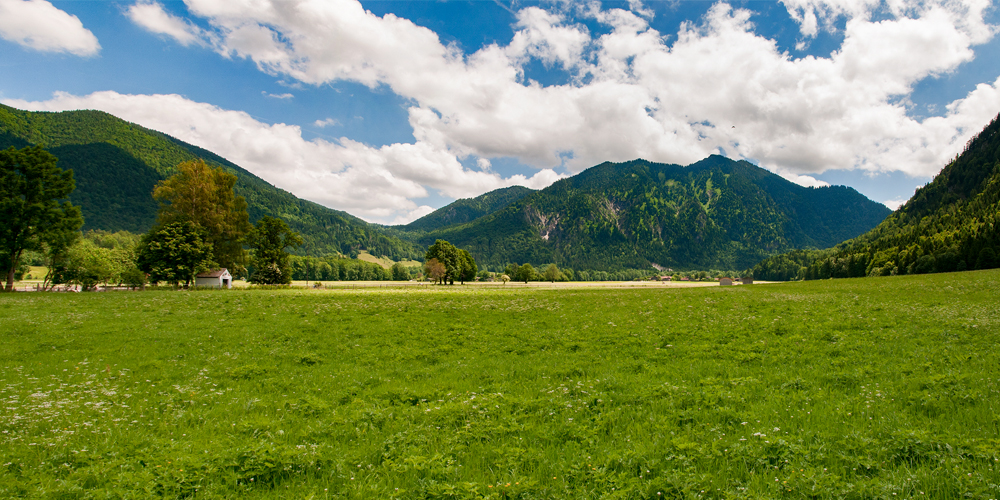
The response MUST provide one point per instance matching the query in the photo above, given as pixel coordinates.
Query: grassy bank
(867, 388)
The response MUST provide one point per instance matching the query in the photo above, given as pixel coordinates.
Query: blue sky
(391, 109)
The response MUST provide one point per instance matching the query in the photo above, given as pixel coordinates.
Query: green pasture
(879, 388)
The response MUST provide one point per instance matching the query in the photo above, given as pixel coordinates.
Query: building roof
(214, 273)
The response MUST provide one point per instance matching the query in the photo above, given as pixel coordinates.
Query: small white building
(216, 278)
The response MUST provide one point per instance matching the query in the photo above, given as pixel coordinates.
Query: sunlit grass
(869, 388)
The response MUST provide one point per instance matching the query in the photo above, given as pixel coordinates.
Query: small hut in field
(746, 280)
(216, 278)
(725, 282)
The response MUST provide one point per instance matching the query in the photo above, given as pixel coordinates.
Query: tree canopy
(175, 253)
(31, 187)
(526, 273)
(449, 263)
(204, 196)
(446, 254)
(467, 267)
(268, 241)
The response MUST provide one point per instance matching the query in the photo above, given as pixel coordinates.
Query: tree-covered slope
(715, 213)
(116, 163)
(951, 224)
(468, 209)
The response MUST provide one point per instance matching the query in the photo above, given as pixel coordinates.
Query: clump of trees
(336, 268)
(445, 263)
(202, 224)
(552, 273)
(199, 201)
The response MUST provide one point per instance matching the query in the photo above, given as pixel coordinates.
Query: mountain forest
(951, 224)
(716, 213)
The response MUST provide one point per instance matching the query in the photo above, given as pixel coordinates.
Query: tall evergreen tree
(31, 187)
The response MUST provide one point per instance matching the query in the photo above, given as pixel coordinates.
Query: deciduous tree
(435, 270)
(525, 273)
(399, 272)
(269, 240)
(175, 253)
(448, 256)
(467, 267)
(552, 273)
(204, 196)
(31, 185)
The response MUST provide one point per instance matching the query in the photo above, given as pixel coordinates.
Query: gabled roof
(214, 273)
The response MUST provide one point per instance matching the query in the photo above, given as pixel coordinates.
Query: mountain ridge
(115, 161)
(467, 209)
(714, 213)
(950, 224)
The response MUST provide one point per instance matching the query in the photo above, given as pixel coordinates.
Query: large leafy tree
(32, 213)
(204, 196)
(175, 253)
(467, 267)
(526, 273)
(448, 255)
(399, 272)
(435, 270)
(268, 241)
(552, 273)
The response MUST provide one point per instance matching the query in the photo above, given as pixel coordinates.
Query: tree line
(201, 225)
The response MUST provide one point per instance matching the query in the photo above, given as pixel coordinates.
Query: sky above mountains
(390, 109)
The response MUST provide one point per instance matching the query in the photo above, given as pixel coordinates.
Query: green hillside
(117, 163)
(716, 213)
(951, 224)
(468, 209)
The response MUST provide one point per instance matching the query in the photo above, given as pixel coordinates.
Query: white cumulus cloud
(39, 25)
(715, 86)
(327, 122)
(152, 17)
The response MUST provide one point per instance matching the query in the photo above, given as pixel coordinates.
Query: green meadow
(878, 388)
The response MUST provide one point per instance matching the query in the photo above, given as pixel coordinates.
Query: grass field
(386, 262)
(879, 388)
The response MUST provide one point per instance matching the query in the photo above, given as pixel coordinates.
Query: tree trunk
(15, 259)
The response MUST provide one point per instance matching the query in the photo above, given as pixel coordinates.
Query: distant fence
(370, 285)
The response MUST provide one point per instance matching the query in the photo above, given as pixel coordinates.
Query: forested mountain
(951, 224)
(468, 209)
(117, 163)
(716, 213)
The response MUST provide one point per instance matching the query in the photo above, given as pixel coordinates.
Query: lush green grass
(867, 388)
